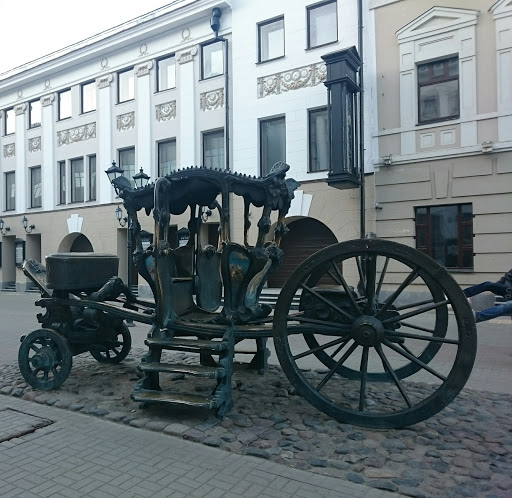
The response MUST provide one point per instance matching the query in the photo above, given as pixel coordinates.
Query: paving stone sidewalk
(466, 450)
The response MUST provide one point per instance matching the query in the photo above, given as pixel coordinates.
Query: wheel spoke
(45, 376)
(415, 312)
(33, 348)
(338, 349)
(350, 295)
(413, 305)
(364, 373)
(417, 327)
(315, 321)
(391, 299)
(381, 279)
(339, 363)
(390, 370)
(329, 303)
(370, 278)
(393, 333)
(413, 358)
(321, 347)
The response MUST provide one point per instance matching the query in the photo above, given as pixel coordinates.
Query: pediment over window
(438, 20)
(502, 7)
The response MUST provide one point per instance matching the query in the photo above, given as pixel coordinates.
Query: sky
(32, 28)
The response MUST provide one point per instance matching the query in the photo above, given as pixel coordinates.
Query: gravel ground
(466, 450)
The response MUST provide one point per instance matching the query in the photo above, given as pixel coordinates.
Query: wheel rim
(371, 329)
(117, 349)
(44, 359)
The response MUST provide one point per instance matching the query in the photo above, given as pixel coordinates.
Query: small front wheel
(116, 349)
(45, 359)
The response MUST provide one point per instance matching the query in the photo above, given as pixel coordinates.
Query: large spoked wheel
(116, 349)
(45, 359)
(384, 337)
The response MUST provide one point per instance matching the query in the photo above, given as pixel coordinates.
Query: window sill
(87, 112)
(34, 127)
(165, 90)
(438, 121)
(126, 101)
(308, 49)
(63, 119)
(271, 60)
(9, 134)
(212, 77)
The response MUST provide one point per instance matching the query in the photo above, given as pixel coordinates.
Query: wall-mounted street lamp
(3, 228)
(141, 179)
(28, 228)
(119, 216)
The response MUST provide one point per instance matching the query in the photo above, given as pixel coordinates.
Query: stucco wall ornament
(34, 144)
(9, 150)
(78, 134)
(104, 63)
(19, 93)
(48, 100)
(166, 111)
(185, 35)
(143, 69)
(285, 81)
(104, 81)
(126, 121)
(212, 100)
(20, 109)
(143, 50)
(186, 55)
(47, 84)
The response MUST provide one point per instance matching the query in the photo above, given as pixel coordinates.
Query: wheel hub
(44, 359)
(367, 331)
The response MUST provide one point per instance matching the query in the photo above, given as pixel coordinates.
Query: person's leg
(494, 287)
(494, 312)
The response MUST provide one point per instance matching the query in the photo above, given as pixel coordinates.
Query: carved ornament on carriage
(34, 144)
(166, 111)
(294, 79)
(47, 100)
(104, 81)
(77, 134)
(143, 69)
(126, 121)
(186, 55)
(9, 150)
(212, 100)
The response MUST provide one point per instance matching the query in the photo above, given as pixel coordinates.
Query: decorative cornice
(166, 111)
(186, 55)
(104, 81)
(212, 100)
(34, 144)
(126, 121)
(20, 109)
(143, 69)
(285, 81)
(47, 99)
(9, 150)
(78, 134)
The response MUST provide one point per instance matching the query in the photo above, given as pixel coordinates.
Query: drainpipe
(361, 115)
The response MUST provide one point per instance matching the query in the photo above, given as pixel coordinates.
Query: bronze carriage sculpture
(387, 331)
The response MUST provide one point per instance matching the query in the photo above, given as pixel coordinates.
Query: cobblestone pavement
(466, 450)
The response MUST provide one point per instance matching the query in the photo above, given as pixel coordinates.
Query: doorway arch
(306, 236)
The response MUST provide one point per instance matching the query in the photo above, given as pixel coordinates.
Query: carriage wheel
(370, 308)
(45, 359)
(117, 349)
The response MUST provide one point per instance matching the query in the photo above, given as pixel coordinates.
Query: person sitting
(503, 288)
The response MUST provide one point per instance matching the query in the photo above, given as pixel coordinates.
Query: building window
(271, 39)
(10, 121)
(438, 91)
(65, 104)
(77, 180)
(322, 24)
(36, 191)
(212, 59)
(61, 165)
(92, 177)
(213, 149)
(125, 85)
(166, 157)
(34, 113)
(127, 163)
(445, 233)
(10, 191)
(319, 140)
(272, 143)
(88, 97)
(166, 73)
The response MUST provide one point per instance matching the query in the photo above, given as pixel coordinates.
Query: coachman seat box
(80, 271)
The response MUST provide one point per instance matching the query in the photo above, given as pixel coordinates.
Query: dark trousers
(494, 287)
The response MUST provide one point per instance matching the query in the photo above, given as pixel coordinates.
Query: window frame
(91, 177)
(260, 130)
(161, 143)
(33, 204)
(61, 165)
(82, 86)
(7, 120)
(10, 174)
(311, 112)
(37, 124)
(157, 62)
(207, 44)
(120, 153)
(266, 23)
(72, 183)
(119, 73)
(436, 81)
(210, 133)
(309, 9)
(461, 247)
(67, 91)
